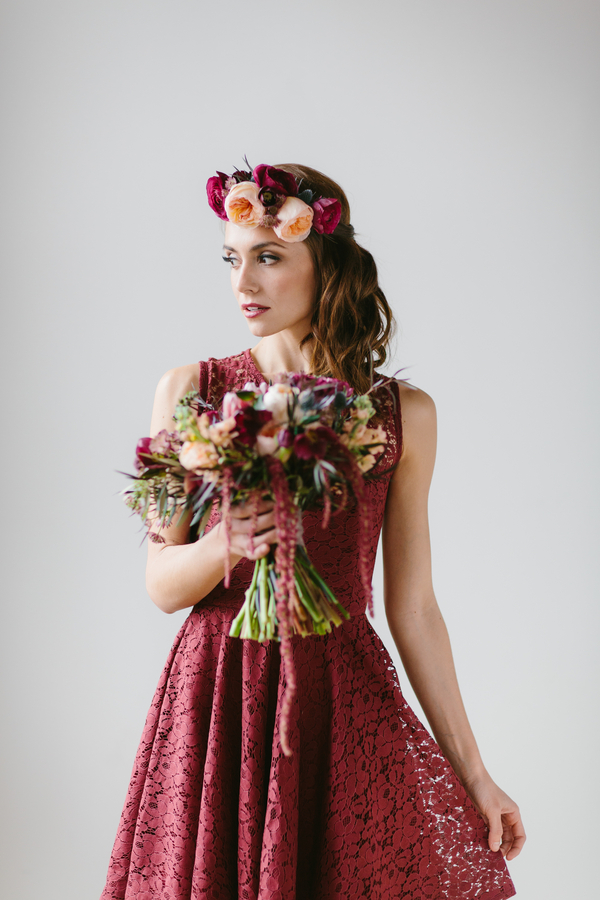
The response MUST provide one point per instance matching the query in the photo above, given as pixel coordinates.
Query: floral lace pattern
(367, 806)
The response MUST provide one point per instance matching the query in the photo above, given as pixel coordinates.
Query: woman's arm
(178, 574)
(419, 630)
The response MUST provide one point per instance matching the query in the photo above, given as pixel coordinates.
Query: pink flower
(242, 205)
(294, 220)
(328, 213)
(232, 403)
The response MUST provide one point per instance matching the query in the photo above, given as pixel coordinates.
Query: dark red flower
(249, 421)
(279, 181)
(217, 191)
(328, 213)
(313, 443)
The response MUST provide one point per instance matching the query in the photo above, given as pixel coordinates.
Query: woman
(367, 805)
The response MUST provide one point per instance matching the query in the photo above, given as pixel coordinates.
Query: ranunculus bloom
(295, 220)
(217, 191)
(243, 206)
(279, 181)
(198, 455)
(328, 213)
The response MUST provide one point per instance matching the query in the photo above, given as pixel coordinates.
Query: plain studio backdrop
(466, 135)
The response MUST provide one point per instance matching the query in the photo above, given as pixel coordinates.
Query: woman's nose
(246, 283)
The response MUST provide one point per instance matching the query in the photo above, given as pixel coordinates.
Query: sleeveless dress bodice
(367, 806)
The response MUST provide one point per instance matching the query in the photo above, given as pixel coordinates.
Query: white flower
(276, 401)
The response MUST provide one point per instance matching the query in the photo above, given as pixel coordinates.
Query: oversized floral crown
(272, 198)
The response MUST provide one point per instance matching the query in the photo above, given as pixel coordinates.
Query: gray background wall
(466, 134)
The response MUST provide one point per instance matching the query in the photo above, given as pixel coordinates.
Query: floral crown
(272, 198)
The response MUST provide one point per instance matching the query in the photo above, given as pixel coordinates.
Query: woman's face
(273, 280)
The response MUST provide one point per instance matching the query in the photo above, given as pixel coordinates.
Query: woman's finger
(518, 836)
(263, 522)
(247, 509)
(495, 830)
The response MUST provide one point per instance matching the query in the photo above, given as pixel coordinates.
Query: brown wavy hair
(352, 323)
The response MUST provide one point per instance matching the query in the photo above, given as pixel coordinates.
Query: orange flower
(243, 206)
(295, 219)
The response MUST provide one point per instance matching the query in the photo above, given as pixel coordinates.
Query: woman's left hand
(501, 814)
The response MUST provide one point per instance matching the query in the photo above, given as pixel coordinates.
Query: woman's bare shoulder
(419, 420)
(417, 406)
(173, 385)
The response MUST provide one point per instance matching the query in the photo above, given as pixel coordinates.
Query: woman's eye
(268, 259)
(229, 259)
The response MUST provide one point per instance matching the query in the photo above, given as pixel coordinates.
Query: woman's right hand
(241, 541)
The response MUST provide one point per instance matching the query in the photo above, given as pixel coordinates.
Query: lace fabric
(366, 807)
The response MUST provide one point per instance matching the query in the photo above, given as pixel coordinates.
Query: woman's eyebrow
(257, 246)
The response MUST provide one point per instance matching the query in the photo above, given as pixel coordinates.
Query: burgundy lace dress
(366, 807)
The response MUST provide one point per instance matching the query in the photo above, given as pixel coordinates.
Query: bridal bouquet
(304, 442)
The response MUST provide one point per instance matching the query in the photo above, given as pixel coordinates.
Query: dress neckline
(253, 367)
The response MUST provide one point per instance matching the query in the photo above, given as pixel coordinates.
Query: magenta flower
(328, 213)
(216, 189)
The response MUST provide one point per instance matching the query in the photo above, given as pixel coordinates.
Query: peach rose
(295, 220)
(221, 433)
(243, 206)
(198, 455)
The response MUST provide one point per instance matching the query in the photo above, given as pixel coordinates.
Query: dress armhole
(203, 380)
(398, 417)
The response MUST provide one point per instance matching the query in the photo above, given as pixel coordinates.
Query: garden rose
(327, 215)
(295, 220)
(276, 401)
(242, 205)
(198, 455)
(221, 433)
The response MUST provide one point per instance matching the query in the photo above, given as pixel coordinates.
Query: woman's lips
(251, 310)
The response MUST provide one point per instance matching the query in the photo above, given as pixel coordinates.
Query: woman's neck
(279, 353)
